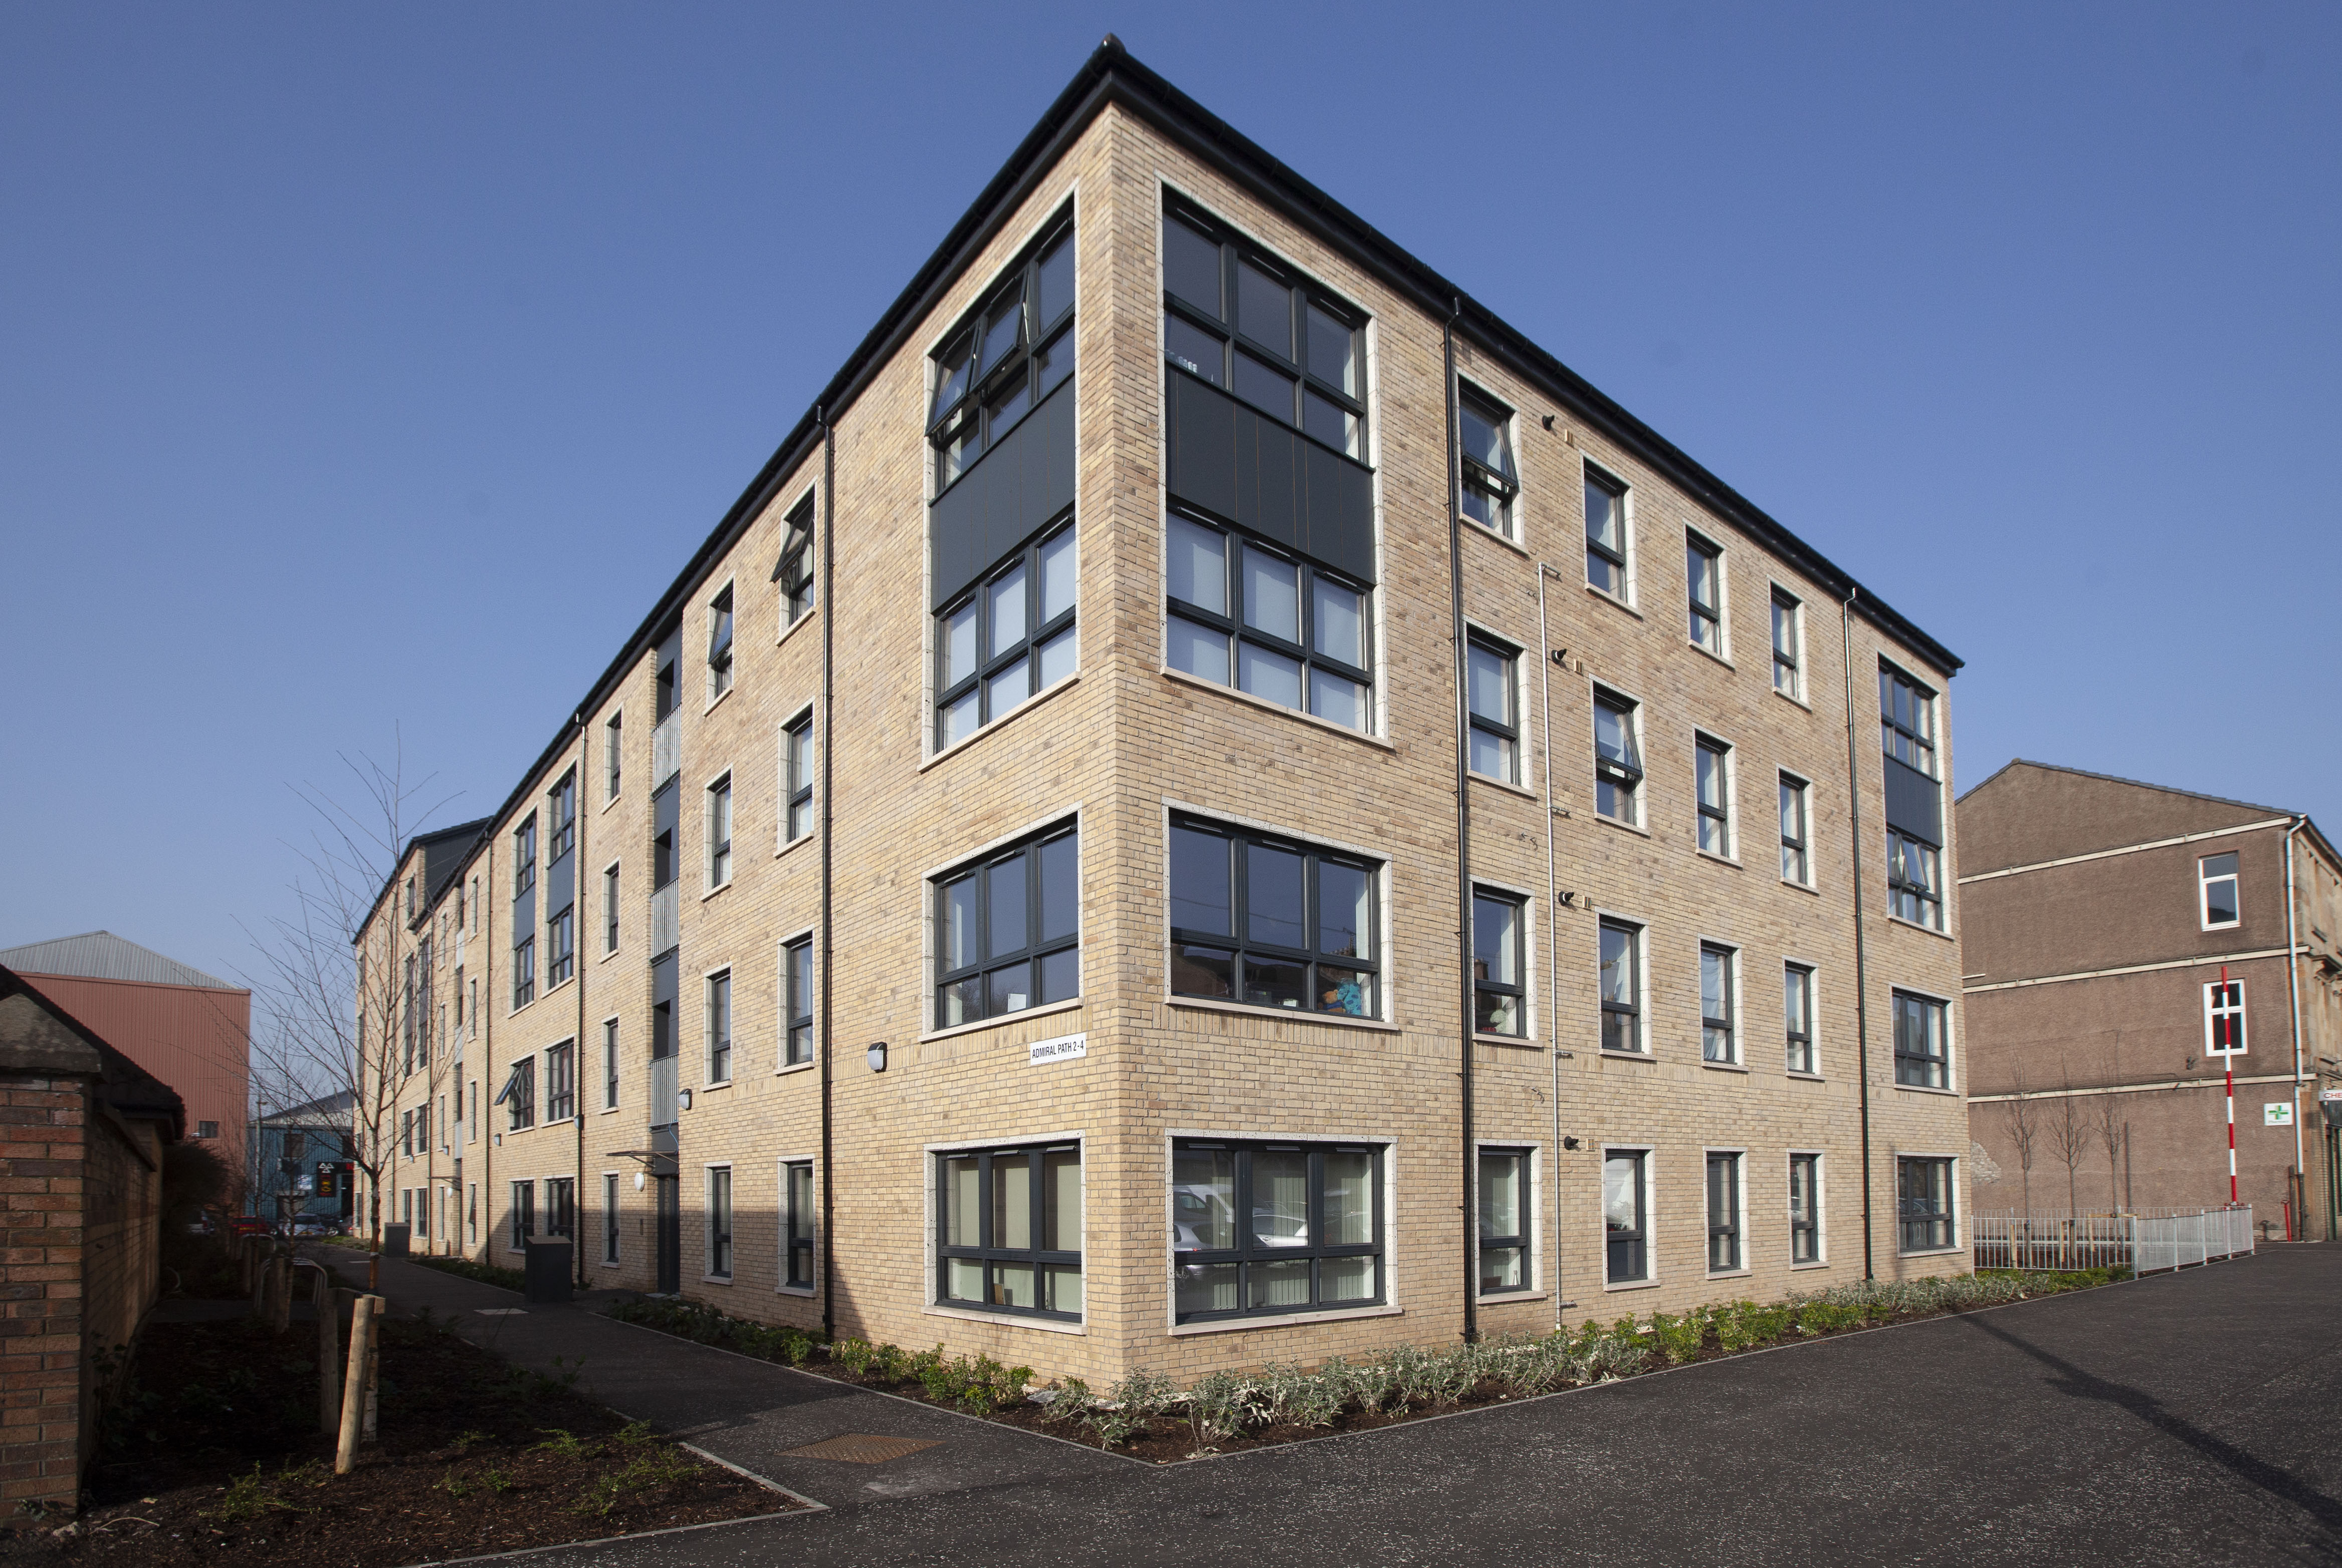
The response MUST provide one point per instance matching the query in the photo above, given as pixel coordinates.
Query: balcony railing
(666, 752)
(664, 918)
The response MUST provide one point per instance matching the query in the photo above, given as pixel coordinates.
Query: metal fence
(2143, 1240)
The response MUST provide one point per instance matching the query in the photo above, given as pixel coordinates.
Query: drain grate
(858, 1448)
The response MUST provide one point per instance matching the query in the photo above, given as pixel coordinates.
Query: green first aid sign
(2278, 1113)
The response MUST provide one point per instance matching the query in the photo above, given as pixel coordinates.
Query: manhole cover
(859, 1448)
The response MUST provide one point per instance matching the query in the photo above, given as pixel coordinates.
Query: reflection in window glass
(1243, 913)
(1008, 931)
(1311, 1235)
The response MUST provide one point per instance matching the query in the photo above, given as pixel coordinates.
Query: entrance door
(670, 1235)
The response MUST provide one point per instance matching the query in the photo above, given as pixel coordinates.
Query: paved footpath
(2191, 1419)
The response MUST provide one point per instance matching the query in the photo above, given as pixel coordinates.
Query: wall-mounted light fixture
(877, 1056)
(682, 1098)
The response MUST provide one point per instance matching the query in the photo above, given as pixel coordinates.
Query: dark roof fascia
(415, 846)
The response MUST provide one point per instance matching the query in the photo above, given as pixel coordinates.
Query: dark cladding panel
(1027, 479)
(1269, 504)
(1202, 439)
(1236, 462)
(1914, 802)
(561, 884)
(1341, 512)
(524, 917)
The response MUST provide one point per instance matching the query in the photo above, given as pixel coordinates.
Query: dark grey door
(670, 1235)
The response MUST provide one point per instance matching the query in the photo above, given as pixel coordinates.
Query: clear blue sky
(372, 368)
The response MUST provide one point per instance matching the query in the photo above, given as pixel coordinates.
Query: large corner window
(1907, 720)
(1617, 759)
(794, 570)
(1271, 922)
(1492, 679)
(524, 912)
(1490, 481)
(1010, 638)
(1266, 621)
(1915, 827)
(1273, 1228)
(1605, 534)
(1922, 1056)
(1500, 992)
(1245, 321)
(1009, 1231)
(1009, 930)
(1007, 357)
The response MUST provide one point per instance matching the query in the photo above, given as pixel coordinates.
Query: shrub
(1222, 1404)
(1130, 1407)
(1680, 1338)
(1303, 1399)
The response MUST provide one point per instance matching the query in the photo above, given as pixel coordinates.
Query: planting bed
(212, 1456)
(1147, 1416)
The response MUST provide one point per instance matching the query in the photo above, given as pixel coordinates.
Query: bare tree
(2110, 1126)
(2023, 1127)
(2069, 1138)
(334, 1014)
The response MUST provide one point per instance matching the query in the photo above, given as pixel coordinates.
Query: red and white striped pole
(2228, 1060)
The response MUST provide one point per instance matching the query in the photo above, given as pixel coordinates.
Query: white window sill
(1472, 526)
(1923, 1089)
(791, 629)
(613, 801)
(1809, 1268)
(1935, 1253)
(1506, 784)
(1237, 1325)
(807, 1292)
(1724, 1067)
(611, 1264)
(1806, 887)
(1622, 826)
(613, 953)
(1501, 1297)
(954, 1030)
(1709, 854)
(718, 1084)
(1517, 1041)
(1730, 1274)
(715, 1279)
(1923, 930)
(788, 1067)
(717, 700)
(1711, 652)
(1630, 1285)
(607, 1111)
(1792, 697)
(1612, 600)
(720, 887)
(1010, 717)
(1007, 1320)
(1287, 1015)
(797, 843)
(1807, 1077)
(1301, 715)
(1606, 1054)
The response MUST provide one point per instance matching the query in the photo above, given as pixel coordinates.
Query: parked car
(248, 1225)
(316, 1225)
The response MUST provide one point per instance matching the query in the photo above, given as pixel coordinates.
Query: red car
(248, 1225)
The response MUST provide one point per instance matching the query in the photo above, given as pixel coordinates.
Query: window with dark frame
(1921, 1055)
(1923, 1202)
(719, 831)
(1499, 984)
(1272, 922)
(1271, 1228)
(1626, 1216)
(719, 644)
(1491, 483)
(1805, 1209)
(519, 1095)
(1622, 987)
(610, 910)
(719, 1222)
(560, 805)
(1492, 684)
(1704, 580)
(2224, 1018)
(610, 1217)
(1242, 320)
(1009, 930)
(561, 1207)
(797, 1000)
(1005, 358)
(1008, 639)
(1798, 1004)
(1906, 718)
(1605, 534)
(561, 1082)
(1617, 759)
(794, 570)
(1719, 1038)
(1723, 1213)
(561, 947)
(1795, 865)
(796, 1223)
(1008, 1230)
(1788, 639)
(1504, 1195)
(1268, 622)
(614, 756)
(1914, 889)
(2215, 874)
(523, 1214)
(610, 1064)
(719, 1027)
(1711, 759)
(523, 887)
(798, 752)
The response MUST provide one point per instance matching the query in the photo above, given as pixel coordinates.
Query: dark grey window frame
(1922, 1226)
(610, 1228)
(1799, 1043)
(525, 970)
(796, 1002)
(988, 1251)
(518, 1095)
(1495, 486)
(719, 849)
(609, 1064)
(1622, 776)
(1250, 1249)
(561, 1207)
(798, 1226)
(717, 1058)
(1914, 875)
(972, 410)
(1797, 848)
(523, 1214)
(561, 802)
(610, 907)
(1911, 742)
(721, 623)
(560, 1082)
(720, 1219)
(1223, 322)
(1239, 945)
(1614, 562)
(794, 570)
(979, 681)
(798, 809)
(1305, 651)
(1719, 1015)
(1517, 989)
(614, 756)
(1627, 1252)
(1520, 1240)
(1727, 1249)
(1709, 753)
(1698, 611)
(1923, 1068)
(561, 947)
(1035, 947)
(1506, 727)
(1789, 670)
(1806, 1229)
(1631, 1009)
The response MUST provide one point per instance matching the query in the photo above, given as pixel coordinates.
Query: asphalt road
(2187, 1420)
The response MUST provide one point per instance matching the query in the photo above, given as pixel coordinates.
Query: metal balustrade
(667, 750)
(2146, 1240)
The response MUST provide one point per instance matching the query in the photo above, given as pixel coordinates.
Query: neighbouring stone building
(82, 1133)
(2102, 917)
(1331, 833)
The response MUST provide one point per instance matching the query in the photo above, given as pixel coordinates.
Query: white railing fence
(2143, 1240)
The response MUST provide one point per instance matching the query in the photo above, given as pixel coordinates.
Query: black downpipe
(1861, 965)
(827, 729)
(577, 1048)
(1463, 825)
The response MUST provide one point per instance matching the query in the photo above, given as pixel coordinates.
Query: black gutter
(1469, 1228)
(1861, 950)
(823, 954)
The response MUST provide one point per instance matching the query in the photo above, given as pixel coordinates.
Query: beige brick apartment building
(1211, 803)
(2102, 917)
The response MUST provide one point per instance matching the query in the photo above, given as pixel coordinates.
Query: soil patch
(212, 1456)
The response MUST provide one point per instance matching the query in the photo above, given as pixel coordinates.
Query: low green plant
(1680, 1338)
(244, 1499)
(563, 1444)
(1130, 1407)
(495, 1481)
(450, 1485)
(466, 1438)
